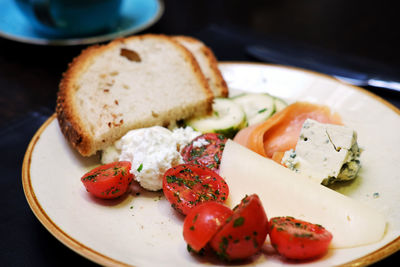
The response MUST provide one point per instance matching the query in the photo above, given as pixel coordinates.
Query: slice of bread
(208, 64)
(130, 83)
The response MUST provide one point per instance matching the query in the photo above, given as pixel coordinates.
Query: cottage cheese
(325, 153)
(151, 152)
(200, 143)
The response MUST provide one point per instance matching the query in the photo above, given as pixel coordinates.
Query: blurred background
(358, 28)
(368, 30)
(29, 77)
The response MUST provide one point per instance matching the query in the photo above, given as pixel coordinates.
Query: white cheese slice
(286, 193)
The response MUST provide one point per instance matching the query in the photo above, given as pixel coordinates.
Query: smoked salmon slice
(281, 132)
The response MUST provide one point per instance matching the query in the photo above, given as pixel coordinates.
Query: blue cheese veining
(325, 153)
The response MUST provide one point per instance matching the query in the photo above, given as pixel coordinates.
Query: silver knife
(321, 62)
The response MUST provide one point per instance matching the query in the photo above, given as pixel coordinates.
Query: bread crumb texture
(130, 83)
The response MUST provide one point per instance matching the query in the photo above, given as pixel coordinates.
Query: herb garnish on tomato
(209, 153)
(244, 232)
(297, 239)
(108, 181)
(187, 185)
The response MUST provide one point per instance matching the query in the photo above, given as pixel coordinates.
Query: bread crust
(217, 73)
(68, 119)
(196, 69)
(71, 124)
(213, 62)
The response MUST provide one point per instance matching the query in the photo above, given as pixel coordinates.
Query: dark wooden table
(29, 77)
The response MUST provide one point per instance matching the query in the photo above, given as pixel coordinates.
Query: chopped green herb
(90, 177)
(139, 169)
(222, 249)
(115, 191)
(195, 218)
(186, 170)
(304, 235)
(238, 222)
(216, 158)
(210, 166)
(180, 181)
(190, 250)
(197, 152)
(221, 137)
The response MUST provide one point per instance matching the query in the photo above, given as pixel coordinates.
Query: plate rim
(41, 214)
(88, 40)
(102, 259)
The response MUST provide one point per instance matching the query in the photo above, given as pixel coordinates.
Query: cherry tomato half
(187, 185)
(245, 231)
(208, 154)
(203, 221)
(297, 239)
(108, 181)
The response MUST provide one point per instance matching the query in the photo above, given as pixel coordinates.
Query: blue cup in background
(71, 18)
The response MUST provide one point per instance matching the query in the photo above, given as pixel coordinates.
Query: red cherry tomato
(203, 221)
(296, 239)
(244, 233)
(187, 185)
(209, 154)
(108, 181)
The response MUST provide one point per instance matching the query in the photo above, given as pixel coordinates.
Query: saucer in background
(136, 15)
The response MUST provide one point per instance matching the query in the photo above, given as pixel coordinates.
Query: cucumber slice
(279, 104)
(258, 107)
(227, 118)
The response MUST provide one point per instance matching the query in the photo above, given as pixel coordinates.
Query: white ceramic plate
(144, 230)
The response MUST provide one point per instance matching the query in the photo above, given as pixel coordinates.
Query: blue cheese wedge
(326, 153)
